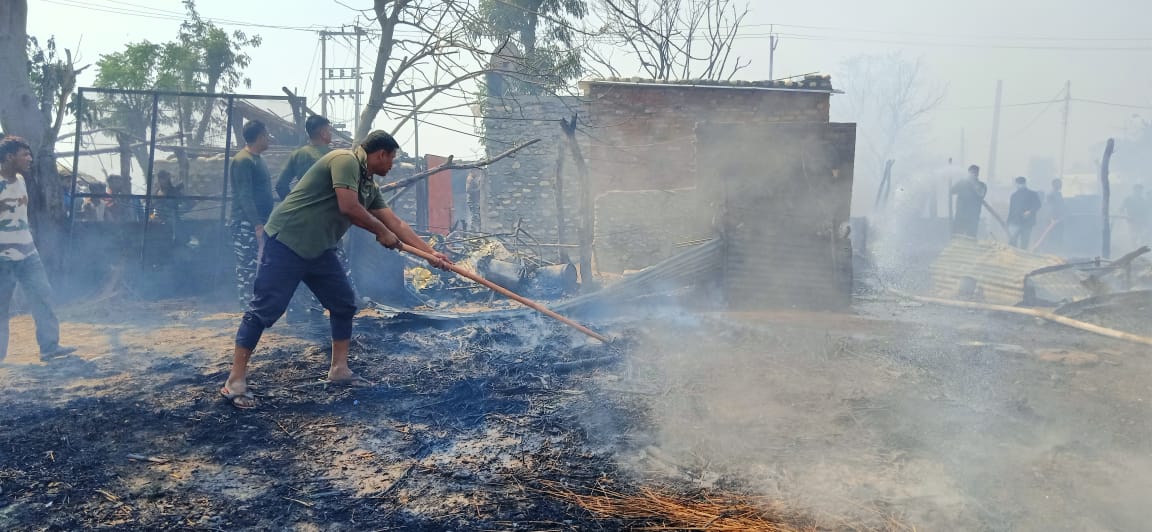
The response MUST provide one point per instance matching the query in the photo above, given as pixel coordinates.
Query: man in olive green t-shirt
(303, 232)
(251, 205)
(319, 130)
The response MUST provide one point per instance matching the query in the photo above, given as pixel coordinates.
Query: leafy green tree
(128, 116)
(36, 94)
(208, 59)
(205, 58)
(541, 31)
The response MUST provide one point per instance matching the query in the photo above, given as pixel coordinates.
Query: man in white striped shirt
(19, 261)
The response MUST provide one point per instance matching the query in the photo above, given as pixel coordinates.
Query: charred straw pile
(651, 509)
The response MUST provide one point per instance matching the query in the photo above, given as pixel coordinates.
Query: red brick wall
(642, 136)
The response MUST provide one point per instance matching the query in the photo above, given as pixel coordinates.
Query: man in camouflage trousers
(251, 205)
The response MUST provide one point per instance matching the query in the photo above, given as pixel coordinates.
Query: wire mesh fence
(149, 196)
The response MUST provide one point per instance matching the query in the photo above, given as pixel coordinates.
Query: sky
(1102, 47)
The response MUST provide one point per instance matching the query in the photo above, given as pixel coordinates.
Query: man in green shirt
(319, 130)
(303, 232)
(251, 204)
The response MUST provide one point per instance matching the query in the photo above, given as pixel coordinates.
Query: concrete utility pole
(1064, 134)
(340, 73)
(995, 132)
(773, 42)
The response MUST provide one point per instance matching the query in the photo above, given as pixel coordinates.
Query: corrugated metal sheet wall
(784, 191)
(997, 269)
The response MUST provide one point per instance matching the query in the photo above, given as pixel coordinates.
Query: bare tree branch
(675, 39)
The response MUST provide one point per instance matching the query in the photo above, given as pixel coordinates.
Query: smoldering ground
(945, 420)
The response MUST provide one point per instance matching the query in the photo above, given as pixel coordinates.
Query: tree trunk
(202, 128)
(528, 34)
(19, 109)
(587, 281)
(125, 154)
(380, 73)
(20, 114)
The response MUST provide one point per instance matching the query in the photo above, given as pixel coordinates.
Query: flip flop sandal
(232, 397)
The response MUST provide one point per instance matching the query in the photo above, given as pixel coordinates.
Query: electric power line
(149, 12)
(1057, 98)
(1025, 104)
(157, 14)
(1111, 104)
(957, 36)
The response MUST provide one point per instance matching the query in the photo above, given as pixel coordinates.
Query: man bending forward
(303, 232)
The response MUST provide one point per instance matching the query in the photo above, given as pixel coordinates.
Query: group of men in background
(1024, 207)
(298, 240)
(254, 196)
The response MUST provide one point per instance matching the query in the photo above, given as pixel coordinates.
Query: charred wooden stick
(511, 295)
(449, 165)
(1052, 225)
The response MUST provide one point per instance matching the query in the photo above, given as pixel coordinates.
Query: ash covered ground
(899, 416)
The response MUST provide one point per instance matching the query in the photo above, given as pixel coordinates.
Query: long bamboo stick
(1042, 314)
(512, 295)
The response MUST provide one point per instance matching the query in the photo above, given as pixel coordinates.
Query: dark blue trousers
(281, 271)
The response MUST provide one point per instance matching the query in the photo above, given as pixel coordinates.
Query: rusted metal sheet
(997, 269)
(439, 197)
(784, 192)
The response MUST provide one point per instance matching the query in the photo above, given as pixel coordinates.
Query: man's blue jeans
(281, 271)
(33, 280)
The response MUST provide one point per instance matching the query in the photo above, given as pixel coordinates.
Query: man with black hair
(95, 209)
(19, 260)
(303, 233)
(319, 131)
(1022, 209)
(251, 205)
(969, 202)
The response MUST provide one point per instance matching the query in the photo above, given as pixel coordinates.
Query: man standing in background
(969, 202)
(19, 260)
(319, 130)
(1022, 209)
(251, 205)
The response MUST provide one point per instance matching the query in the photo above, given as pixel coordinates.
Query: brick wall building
(525, 186)
(642, 134)
(636, 136)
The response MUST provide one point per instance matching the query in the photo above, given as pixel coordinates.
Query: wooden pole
(884, 192)
(586, 225)
(1105, 204)
(512, 295)
(560, 201)
(995, 144)
(1042, 314)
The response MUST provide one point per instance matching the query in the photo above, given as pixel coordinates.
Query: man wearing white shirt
(19, 260)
